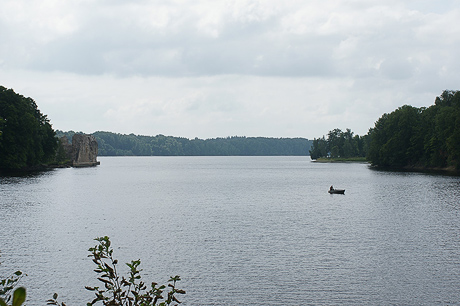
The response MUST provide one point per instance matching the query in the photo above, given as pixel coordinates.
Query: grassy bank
(341, 160)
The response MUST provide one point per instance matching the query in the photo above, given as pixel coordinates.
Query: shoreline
(340, 160)
(438, 170)
(46, 167)
(433, 170)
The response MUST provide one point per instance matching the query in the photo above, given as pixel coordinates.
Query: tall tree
(394, 136)
(419, 137)
(339, 144)
(27, 138)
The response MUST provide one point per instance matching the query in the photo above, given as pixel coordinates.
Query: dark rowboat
(336, 191)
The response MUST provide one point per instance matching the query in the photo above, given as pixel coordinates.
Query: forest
(407, 138)
(411, 137)
(27, 138)
(113, 144)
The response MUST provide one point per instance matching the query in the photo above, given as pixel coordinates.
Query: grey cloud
(187, 55)
(113, 43)
(110, 39)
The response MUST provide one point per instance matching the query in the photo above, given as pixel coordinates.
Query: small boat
(336, 191)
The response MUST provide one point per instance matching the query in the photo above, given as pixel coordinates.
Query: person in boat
(332, 188)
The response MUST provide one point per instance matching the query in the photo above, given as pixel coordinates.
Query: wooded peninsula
(407, 138)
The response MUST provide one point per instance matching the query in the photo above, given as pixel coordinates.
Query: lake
(239, 230)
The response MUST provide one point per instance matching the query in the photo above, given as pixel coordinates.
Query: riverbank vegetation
(341, 159)
(408, 138)
(419, 138)
(27, 139)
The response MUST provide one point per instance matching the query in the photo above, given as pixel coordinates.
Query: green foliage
(394, 139)
(7, 285)
(116, 290)
(19, 297)
(111, 144)
(130, 291)
(339, 144)
(2, 124)
(409, 137)
(419, 137)
(61, 155)
(26, 136)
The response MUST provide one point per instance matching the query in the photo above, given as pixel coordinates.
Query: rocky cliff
(84, 151)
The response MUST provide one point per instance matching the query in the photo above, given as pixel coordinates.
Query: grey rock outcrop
(84, 151)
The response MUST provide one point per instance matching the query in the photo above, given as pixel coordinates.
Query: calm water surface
(239, 230)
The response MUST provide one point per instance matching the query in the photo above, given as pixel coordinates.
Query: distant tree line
(112, 144)
(26, 136)
(419, 137)
(339, 144)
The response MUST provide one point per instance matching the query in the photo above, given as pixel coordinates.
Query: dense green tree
(419, 137)
(26, 136)
(394, 140)
(319, 148)
(2, 124)
(335, 140)
(339, 144)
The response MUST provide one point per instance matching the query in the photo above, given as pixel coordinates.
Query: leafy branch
(121, 291)
(19, 297)
(7, 286)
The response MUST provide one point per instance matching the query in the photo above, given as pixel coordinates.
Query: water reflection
(17, 177)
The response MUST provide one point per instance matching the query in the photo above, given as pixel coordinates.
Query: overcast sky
(210, 68)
